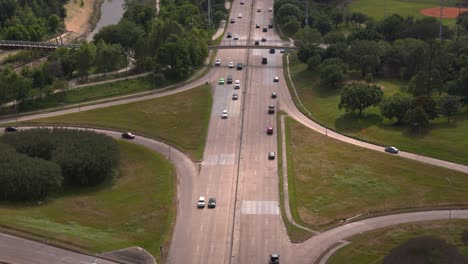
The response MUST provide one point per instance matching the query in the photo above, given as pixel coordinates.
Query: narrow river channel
(111, 13)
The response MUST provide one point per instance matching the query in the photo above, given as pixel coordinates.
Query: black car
(229, 79)
(265, 29)
(229, 35)
(233, 21)
(128, 135)
(272, 51)
(11, 129)
(240, 66)
(274, 258)
(257, 43)
(271, 109)
(274, 95)
(270, 25)
(263, 39)
(257, 26)
(264, 61)
(212, 203)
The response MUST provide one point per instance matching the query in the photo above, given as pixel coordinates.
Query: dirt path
(78, 16)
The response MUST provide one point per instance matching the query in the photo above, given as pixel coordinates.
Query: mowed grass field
(330, 180)
(92, 92)
(371, 247)
(376, 8)
(136, 208)
(443, 140)
(180, 119)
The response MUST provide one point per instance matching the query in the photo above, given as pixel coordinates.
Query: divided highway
(246, 224)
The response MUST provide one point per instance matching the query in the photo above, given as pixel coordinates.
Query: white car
(236, 36)
(237, 84)
(231, 64)
(201, 202)
(242, 2)
(270, 9)
(218, 62)
(240, 15)
(259, 10)
(224, 115)
(276, 79)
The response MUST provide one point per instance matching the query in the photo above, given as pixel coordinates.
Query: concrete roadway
(246, 222)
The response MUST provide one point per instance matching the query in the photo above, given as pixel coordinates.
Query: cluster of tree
(37, 161)
(173, 44)
(31, 19)
(425, 249)
(416, 112)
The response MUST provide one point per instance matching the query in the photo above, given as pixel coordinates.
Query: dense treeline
(30, 19)
(172, 45)
(37, 161)
(396, 47)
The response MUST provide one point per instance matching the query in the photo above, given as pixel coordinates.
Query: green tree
(459, 86)
(332, 72)
(449, 106)
(287, 10)
(314, 61)
(417, 118)
(323, 23)
(395, 106)
(365, 56)
(391, 27)
(337, 17)
(291, 25)
(359, 96)
(86, 57)
(427, 103)
(463, 20)
(424, 83)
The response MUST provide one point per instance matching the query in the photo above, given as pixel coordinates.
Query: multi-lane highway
(246, 224)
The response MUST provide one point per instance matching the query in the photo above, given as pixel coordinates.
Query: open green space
(136, 208)
(376, 8)
(442, 140)
(371, 247)
(330, 180)
(180, 119)
(93, 92)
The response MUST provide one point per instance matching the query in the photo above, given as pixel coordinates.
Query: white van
(240, 15)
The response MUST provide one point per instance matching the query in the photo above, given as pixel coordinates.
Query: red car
(270, 130)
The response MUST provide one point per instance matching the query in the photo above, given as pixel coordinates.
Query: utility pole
(385, 9)
(458, 21)
(441, 14)
(209, 13)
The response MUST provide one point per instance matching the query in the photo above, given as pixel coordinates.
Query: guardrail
(17, 44)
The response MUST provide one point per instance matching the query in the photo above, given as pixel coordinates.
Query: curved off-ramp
(43, 253)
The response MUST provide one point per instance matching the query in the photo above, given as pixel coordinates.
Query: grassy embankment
(180, 119)
(136, 208)
(442, 140)
(371, 247)
(330, 180)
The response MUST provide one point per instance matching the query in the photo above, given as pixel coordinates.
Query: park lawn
(180, 119)
(442, 140)
(371, 247)
(330, 180)
(91, 93)
(375, 8)
(136, 208)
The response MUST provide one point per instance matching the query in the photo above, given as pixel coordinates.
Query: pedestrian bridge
(18, 44)
(254, 44)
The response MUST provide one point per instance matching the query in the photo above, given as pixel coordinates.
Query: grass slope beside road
(136, 208)
(376, 8)
(330, 180)
(371, 247)
(91, 93)
(180, 119)
(442, 141)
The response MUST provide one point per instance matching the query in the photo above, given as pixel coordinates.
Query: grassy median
(180, 119)
(371, 247)
(442, 140)
(136, 208)
(330, 180)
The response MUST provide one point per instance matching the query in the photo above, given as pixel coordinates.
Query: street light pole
(440, 23)
(458, 21)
